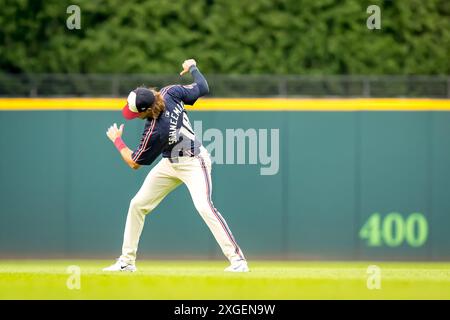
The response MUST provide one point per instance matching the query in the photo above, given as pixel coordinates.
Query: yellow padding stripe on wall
(211, 104)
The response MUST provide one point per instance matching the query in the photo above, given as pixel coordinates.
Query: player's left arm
(115, 135)
(200, 80)
(199, 87)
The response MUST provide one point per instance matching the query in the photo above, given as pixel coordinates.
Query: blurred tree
(226, 36)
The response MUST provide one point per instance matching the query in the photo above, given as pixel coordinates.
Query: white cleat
(121, 266)
(238, 266)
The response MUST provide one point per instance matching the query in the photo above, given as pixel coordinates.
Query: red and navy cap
(138, 101)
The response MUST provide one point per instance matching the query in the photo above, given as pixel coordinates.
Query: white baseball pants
(195, 172)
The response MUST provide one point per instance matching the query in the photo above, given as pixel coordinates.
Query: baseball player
(184, 160)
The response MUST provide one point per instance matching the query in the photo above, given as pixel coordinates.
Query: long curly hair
(158, 105)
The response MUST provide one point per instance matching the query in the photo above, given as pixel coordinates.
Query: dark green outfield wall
(65, 191)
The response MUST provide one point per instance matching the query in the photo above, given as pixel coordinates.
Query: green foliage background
(226, 36)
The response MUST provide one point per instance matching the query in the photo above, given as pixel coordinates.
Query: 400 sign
(393, 230)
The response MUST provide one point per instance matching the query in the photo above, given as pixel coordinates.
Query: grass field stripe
(194, 279)
(238, 104)
(215, 212)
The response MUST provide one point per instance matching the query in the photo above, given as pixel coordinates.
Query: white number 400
(393, 230)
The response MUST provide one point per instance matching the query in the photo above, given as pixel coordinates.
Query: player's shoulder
(176, 90)
(171, 90)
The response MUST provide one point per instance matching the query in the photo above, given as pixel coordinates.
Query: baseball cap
(139, 100)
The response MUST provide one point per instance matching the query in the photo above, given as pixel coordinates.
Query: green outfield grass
(206, 280)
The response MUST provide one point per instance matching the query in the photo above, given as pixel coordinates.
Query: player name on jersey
(174, 115)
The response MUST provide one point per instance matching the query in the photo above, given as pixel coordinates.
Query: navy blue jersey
(171, 134)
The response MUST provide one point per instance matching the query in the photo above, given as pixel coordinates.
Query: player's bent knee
(140, 207)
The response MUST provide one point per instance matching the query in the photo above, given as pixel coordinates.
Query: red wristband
(119, 144)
